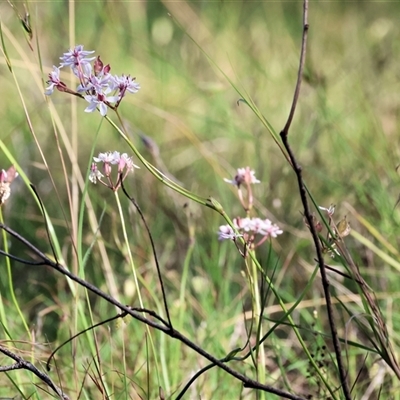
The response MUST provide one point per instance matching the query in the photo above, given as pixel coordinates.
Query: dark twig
(303, 194)
(336, 271)
(229, 357)
(21, 260)
(153, 247)
(20, 363)
(122, 315)
(138, 315)
(285, 130)
(202, 371)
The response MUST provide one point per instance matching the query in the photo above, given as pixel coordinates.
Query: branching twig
(20, 363)
(303, 194)
(138, 315)
(229, 357)
(121, 315)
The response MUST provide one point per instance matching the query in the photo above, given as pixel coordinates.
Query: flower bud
(98, 66)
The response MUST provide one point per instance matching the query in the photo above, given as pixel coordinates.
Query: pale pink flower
(226, 232)
(243, 176)
(95, 174)
(250, 227)
(76, 57)
(330, 211)
(124, 166)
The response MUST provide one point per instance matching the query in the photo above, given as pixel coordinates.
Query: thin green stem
(295, 329)
(157, 173)
(257, 305)
(135, 275)
(11, 286)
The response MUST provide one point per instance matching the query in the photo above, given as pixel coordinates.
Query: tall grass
(194, 61)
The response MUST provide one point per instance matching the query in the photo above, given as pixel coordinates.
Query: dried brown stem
(307, 213)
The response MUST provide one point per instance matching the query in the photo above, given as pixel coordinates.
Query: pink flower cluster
(124, 163)
(249, 228)
(96, 85)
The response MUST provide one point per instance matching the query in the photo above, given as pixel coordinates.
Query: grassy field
(194, 62)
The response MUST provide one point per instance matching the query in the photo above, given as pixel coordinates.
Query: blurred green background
(345, 135)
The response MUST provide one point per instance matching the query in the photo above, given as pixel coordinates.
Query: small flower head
(76, 58)
(226, 232)
(95, 174)
(243, 176)
(125, 83)
(330, 211)
(124, 166)
(99, 100)
(257, 226)
(6, 178)
(247, 177)
(99, 83)
(249, 228)
(55, 82)
(96, 85)
(107, 157)
(125, 162)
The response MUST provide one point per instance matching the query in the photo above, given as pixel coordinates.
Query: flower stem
(135, 277)
(257, 306)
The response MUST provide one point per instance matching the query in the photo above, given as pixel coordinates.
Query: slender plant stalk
(135, 276)
(11, 286)
(307, 213)
(257, 305)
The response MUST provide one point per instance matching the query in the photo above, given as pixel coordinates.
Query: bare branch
(22, 364)
(307, 213)
(137, 314)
